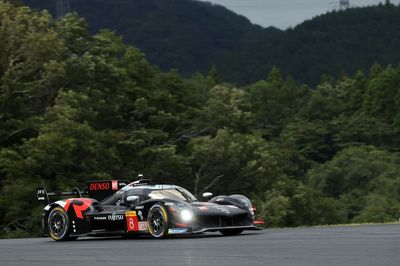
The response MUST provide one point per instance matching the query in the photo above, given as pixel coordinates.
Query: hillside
(335, 43)
(192, 36)
(183, 34)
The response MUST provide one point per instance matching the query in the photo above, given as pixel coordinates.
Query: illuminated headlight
(186, 215)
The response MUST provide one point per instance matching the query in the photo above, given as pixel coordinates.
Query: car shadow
(150, 238)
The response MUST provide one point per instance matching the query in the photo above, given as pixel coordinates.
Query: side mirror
(207, 195)
(132, 199)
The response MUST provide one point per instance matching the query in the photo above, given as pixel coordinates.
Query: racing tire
(231, 232)
(157, 221)
(58, 225)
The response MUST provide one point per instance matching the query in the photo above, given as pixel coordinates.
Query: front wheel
(157, 221)
(231, 232)
(58, 225)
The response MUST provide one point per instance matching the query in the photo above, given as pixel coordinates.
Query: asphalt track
(348, 245)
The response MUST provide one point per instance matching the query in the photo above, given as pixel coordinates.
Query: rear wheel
(157, 221)
(231, 232)
(58, 225)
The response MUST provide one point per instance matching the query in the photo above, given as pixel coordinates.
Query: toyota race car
(142, 207)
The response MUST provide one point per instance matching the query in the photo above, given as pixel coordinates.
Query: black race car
(121, 208)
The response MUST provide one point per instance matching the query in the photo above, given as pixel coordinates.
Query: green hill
(192, 36)
(184, 34)
(336, 43)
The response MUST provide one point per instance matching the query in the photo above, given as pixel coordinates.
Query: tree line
(194, 34)
(77, 107)
(337, 43)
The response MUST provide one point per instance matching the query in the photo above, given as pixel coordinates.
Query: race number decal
(132, 223)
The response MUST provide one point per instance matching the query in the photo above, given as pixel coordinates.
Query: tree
(363, 129)
(226, 108)
(304, 144)
(31, 69)
(276, 101)
(353, 176)
(241, 162)
(380, 97)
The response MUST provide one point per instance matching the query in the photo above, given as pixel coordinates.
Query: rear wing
(97, 190)
(44, 196)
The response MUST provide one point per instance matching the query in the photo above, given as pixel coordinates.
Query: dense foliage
(336, 43)
(184, 34)
(192, 36)
(75, 106)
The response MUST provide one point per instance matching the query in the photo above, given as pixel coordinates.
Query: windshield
(173, 193)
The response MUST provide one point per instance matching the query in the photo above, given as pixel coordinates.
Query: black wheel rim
(157, 222)
(58, 224)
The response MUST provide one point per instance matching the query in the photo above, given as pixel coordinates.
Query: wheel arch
(164, 209)
(237, 200)
(45, 216)
(64, 222)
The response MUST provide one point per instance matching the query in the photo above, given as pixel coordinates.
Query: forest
(188, 35)
(336, 43)
(198, 35)
(76, 106)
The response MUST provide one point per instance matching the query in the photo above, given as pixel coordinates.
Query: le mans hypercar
(118, 207)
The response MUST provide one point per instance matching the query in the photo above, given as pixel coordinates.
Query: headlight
(186, 215)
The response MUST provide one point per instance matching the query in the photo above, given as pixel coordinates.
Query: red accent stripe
(181, 225)
(68, 202)
(79, 204)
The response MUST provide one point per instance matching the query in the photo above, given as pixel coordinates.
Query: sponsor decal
(122, 184)
(177, 230)
(114, 185)
(115, 217)
(99, 218)
(41, 194)
(139, 207)
(163, 186)
(100, 186)
(132, 223)
(142, 226)
(169, 204)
